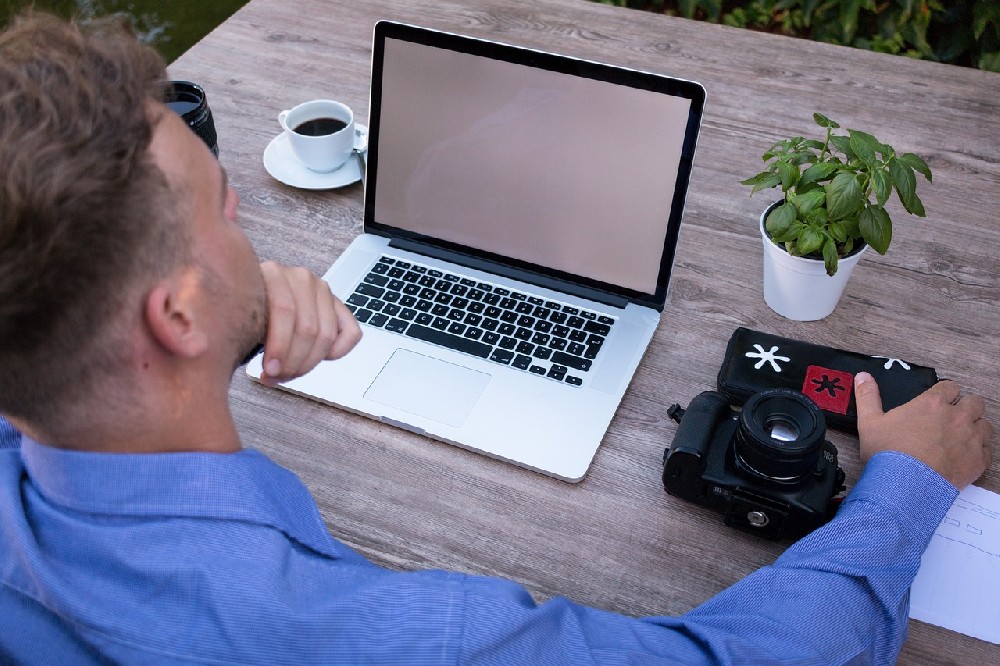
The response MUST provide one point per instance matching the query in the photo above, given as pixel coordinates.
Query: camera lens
(780, 435)
(189, 101)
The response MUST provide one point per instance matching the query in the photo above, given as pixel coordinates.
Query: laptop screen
(565, 167)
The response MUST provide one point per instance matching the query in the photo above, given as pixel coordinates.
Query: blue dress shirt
(9, 436)
(201, 557)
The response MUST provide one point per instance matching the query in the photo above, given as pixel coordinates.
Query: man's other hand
(306, 323)
(943, 429)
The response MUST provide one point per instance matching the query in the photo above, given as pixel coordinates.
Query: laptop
(521, 214)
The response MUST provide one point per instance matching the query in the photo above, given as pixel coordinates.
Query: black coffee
(320, 127)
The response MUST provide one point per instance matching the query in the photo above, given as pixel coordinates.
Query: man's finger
(867, 396)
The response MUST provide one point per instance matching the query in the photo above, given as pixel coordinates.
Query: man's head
(107, 203)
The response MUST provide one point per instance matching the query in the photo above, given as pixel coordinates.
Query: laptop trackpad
(428, 387)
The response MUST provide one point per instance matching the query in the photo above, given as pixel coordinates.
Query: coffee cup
(320, 133)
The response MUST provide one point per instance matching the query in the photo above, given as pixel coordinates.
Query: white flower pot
(798, 288)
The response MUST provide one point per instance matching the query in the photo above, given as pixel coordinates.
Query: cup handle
(281, 119)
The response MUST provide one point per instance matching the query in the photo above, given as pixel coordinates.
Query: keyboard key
(391, 309)
(525, 347)
(456, 328)
(424, 318)
(491, 338)
(507, 342)
(362, 315)
(396, 325)
(440, 323)
(575, 322)
(537, 369)
(502, 356)
(369, 290)
(521, 362)
(357, 299)
(391, 296)
(557, 372)
(597, 328)
(573, 381)
(604, 319)
(378, 320)
(473, 333)
(455, 342)
(575, 362)
(409, 314)
(542, 353)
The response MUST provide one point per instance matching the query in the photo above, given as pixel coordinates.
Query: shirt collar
(244, 486)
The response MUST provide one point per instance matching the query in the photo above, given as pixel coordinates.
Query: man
(135, 528)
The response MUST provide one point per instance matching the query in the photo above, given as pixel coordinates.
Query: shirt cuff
(914, 493)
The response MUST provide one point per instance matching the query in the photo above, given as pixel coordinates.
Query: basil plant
(835, 192)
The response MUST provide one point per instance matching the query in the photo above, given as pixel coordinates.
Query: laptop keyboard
(509, 327)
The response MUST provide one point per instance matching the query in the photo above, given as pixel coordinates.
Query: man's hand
(942, 429)
(306, 323)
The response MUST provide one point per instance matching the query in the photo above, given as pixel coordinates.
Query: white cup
(316, 136)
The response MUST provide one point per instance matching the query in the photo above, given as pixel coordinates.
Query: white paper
(958, 584)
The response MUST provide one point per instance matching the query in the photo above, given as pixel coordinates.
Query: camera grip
(684, 461)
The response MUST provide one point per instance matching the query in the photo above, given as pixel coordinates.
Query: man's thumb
(867, 396)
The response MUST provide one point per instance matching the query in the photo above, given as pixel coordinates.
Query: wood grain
(616, 540)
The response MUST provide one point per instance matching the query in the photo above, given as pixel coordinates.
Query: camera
(190, 102)
(767, 468)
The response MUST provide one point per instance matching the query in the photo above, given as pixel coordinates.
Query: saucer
(283, 166)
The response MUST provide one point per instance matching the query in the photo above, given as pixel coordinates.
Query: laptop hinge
(530, 277)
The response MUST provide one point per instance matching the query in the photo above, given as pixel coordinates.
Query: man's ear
(173, 317)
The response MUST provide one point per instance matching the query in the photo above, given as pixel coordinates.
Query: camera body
(767, 468)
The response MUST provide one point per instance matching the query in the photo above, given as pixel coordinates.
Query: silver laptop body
(521, 214)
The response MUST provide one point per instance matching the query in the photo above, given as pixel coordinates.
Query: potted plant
(833, 207)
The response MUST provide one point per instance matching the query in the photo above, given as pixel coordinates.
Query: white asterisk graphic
(767, 357)
(890, 361)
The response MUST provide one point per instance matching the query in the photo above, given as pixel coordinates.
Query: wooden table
(616, 540)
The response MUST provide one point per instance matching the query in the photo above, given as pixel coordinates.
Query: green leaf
(852, 229)
(864, 145)
(882, 185)
(823, 121)
(917, 164)
(780, 219)
(817, 172)
(838, 231)
(753, 180)
(876, 228)
(808, 201)
(810, 240)
(906, 184)
(772, 180)
(830, 257)
(789, 175)
(843, 196)
(843, 144)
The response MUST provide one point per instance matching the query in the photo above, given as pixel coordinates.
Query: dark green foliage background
(960, 32)
(172, 26)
